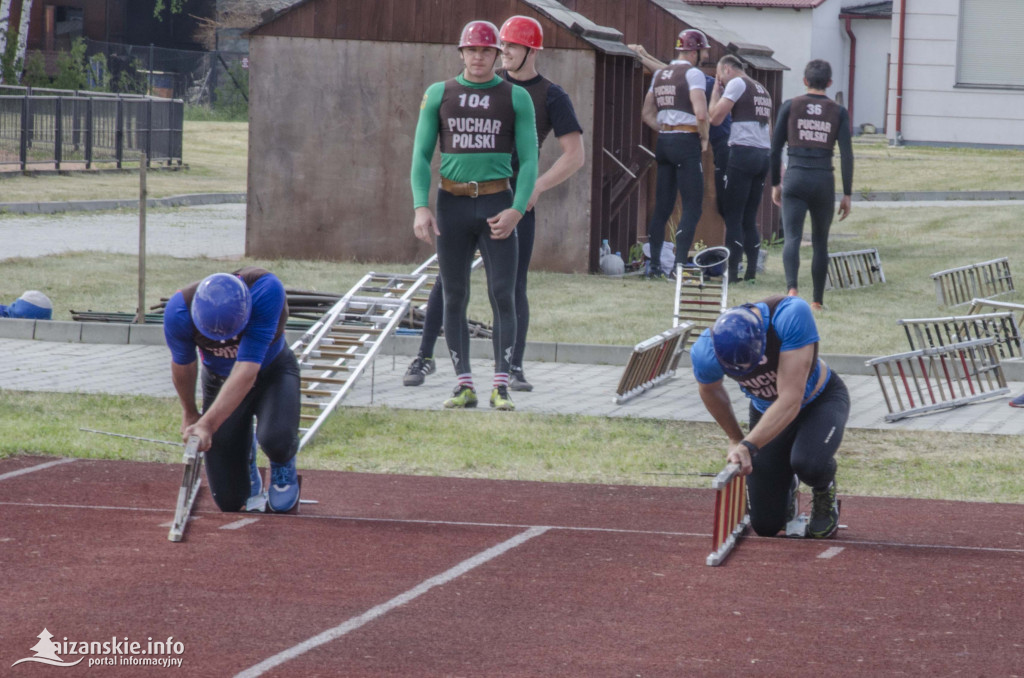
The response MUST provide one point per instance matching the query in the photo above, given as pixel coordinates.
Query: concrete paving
(561, 387)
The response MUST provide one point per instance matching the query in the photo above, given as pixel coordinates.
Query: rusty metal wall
(330, 144)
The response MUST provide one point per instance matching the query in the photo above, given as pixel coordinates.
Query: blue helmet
(221, 306)
(739, 340)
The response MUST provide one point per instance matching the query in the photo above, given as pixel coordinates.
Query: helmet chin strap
(523, 62)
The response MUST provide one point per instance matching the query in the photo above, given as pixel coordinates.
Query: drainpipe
(853, 68)
(899, 73)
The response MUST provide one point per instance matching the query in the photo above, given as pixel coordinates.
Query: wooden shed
(335, 87)
(655, 24)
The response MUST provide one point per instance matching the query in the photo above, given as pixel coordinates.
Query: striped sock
(500, 379)
(465, 380)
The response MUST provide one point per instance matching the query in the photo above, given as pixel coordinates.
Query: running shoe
(500, 399)
(462, 397)
(824, 512)
(1018, 401)
(517, 380)
(418, 371)
(284, 486)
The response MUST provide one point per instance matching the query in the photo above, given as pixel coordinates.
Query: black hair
(818, 74)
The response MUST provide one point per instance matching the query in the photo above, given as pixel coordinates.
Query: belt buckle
(476, 188)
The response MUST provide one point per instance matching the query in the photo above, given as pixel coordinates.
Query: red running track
(421, 576)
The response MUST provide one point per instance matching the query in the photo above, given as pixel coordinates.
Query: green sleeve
(526, 147)
(424, 144)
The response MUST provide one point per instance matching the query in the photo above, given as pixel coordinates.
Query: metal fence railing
(61, 129)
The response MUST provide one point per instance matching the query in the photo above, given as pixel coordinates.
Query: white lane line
(831, 552)
(567, 528)
(37, 467)
(396, 602)
(239, 523)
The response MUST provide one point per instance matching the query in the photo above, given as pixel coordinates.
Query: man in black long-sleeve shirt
(811, 125)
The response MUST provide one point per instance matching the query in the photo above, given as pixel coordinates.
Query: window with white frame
(990, 48)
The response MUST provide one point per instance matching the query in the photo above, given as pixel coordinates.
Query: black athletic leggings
(463, 224)
(274, 402)
(744, 183)
(679, 170)
(807, 447)
(807, 190)
(525, 231)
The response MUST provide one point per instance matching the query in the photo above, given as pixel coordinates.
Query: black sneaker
(517, 380)
(418, 371)
(824, 513)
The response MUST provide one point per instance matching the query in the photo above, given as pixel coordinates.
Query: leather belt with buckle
(474, 189)
(679, 128)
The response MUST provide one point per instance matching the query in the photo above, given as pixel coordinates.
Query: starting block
(190, 482)
(731, 516)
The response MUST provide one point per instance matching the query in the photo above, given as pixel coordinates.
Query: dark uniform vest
(671, 90)
(762, 381)
(813, 123)
(229, 347)
(539, 93)
(754, 105)
(477, 120)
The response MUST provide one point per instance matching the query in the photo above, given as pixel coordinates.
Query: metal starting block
(190, 482)
(798, 526)
(731, 516)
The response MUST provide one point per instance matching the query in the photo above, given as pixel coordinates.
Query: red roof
(785, 4)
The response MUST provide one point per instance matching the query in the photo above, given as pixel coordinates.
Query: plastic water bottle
(605, 248)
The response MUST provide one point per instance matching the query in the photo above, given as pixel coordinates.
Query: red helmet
(691, 40)
(522, 30)
(479, 34)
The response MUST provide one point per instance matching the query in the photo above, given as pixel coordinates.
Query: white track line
(830, 552)
(239, 523)
(37, 467)
(566, 528)
(396, 602)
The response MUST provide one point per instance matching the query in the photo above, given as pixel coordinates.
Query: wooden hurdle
(932, 332)
(731, 515)
(938, 378)
(700, 299)
(652, 362)
(850, 270)
(961, 285)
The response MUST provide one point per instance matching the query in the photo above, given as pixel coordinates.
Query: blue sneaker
(1018, 401)
(255, 479)
(284, 486)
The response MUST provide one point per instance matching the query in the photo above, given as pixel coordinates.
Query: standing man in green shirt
(480, 119)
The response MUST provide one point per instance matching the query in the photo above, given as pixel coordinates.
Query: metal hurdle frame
(652, 362)
(956, 286)
(190, 482)
(977, 305)
(698, 301)
(932, 332)
(939, 378)
(850, 270)
(731, 515)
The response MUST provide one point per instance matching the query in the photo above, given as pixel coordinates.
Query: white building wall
(870, 81)
(934, 110)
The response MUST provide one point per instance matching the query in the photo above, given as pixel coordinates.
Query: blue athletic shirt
(257, 344)
(794, 324)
